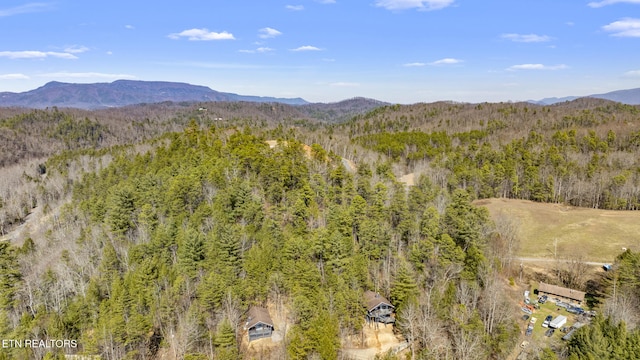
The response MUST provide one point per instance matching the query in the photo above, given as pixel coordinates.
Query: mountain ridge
(119, 93)
(627, 96)
(122, 93)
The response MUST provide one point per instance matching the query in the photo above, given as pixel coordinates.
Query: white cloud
(327, 1)
(307, 48)
(294, 7)
(75, 49)
(258, 50)
(13, 77)
(266, 33)
(627, 27)
(537, 67)
(633, 73)
(526, 38)
(202, 35)
(414, 64)
(414, 4)
(84, 75)
(611, 2)
(130, 27)
(36, 54)
(212, 65)
(446, 61)
(344, 84)
(24, 9)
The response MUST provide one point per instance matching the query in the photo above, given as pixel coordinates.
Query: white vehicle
(558, 322)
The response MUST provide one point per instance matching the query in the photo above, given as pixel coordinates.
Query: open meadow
(570, 232)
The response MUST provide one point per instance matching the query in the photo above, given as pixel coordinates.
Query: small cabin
(259, 324)
(379, 309)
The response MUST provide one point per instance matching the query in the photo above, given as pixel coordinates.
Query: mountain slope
(340, 111)
(630, 97)
(122, 93)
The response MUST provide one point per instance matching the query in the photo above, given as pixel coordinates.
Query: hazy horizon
(398, 51)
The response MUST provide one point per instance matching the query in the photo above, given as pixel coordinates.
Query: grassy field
(589, 234)
(538, 335)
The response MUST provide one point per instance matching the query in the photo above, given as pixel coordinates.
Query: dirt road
(526, 259)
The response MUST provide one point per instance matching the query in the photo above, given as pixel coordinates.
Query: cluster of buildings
(259, 324)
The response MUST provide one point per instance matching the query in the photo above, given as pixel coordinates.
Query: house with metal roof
(259, 324)
(564, 294)
(379, 309)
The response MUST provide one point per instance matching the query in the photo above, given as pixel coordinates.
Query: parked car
(542, 299)
(575, 310)
(525, 317)
(549, 332)
(526, 310)
(524, 344)
(562, 304)
(529, 331)
(547, 320)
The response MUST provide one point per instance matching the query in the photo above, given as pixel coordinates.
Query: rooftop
(257, 315)
(373, 299)
(561, 291)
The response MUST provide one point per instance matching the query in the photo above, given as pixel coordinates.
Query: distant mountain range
(631, 97)
(122, 93)
(130, 92)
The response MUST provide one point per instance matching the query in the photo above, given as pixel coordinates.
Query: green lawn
(548, 308)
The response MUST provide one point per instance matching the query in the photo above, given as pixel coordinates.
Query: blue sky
(402, 51)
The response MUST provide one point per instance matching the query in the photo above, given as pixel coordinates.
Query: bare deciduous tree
(506, 240)
(467, 344)
(408, 322)
(573, 272)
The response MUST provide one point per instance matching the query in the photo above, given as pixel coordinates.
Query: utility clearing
(376, 341)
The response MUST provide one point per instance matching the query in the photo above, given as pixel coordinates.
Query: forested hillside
(153, 239)
(163, 251)
(583, 153)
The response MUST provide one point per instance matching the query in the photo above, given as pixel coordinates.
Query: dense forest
(586, 157)
(159, 228)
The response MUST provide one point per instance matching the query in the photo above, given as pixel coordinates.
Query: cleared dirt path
(16, 233)
(377, 341)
